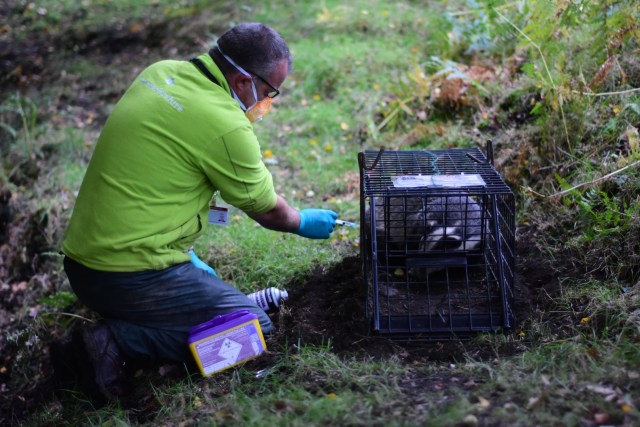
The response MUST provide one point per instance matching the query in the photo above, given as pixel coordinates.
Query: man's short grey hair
(256, 47)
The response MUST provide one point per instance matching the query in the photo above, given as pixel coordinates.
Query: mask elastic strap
(246, 73)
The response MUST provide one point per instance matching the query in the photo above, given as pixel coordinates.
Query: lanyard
(204, 70)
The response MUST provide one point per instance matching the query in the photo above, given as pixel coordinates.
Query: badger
(429, 225)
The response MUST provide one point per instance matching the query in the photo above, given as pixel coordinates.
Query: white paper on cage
(449, 181)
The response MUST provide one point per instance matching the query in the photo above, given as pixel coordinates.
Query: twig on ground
(568, 190)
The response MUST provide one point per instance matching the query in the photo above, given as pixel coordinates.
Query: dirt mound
(329, 309)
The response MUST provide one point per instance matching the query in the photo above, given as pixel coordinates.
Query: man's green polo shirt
(173, 139)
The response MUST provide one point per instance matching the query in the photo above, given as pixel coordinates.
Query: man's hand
(316, 223)
(200, 264)
(311, 223)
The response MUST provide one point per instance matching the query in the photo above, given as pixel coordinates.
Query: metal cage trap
(437, 243)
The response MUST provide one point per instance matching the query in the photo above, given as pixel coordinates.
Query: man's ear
(239, 82)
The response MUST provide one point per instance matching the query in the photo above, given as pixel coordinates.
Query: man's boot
(106, 360)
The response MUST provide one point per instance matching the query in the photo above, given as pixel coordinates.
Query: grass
(252, 258)
(363, 72)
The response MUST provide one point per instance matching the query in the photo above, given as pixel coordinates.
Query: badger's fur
(429, 225)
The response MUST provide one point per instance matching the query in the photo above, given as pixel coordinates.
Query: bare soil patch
(329, 310)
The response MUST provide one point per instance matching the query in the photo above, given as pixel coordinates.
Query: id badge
(218, 215)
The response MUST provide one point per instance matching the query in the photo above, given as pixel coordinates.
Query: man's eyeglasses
(272, 94)
(275, 92)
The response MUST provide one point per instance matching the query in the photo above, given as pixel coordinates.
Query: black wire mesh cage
(437, 244)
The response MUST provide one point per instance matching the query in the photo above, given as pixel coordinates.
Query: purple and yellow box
(226, 341)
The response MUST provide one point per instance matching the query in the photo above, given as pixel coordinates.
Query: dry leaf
(16, 287)
(470, 420)
(603, 72)
(452, 92)
(483, 403)
(601, 389)
(482, 73)
(534, 402)
(601, 418)
(632, 136)
(470, 383)
(165, 369)
(136, 27)
(545, 380)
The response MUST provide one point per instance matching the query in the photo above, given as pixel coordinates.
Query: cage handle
(375, 162)
(489, 155)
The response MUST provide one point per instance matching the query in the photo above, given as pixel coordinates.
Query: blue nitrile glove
(316, 223)
(200, 264)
